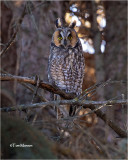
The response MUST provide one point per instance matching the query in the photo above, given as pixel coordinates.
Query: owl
(66, 61)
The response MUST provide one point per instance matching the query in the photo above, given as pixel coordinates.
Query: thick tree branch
(50, 88)
(32, 80)
(46, 86)
(111, 124)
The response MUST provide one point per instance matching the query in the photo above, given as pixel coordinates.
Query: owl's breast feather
(66, 68)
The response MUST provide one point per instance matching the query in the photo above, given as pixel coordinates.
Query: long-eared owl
(66, 60)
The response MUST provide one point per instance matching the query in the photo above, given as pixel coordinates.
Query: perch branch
(44, 85)
(50, 88)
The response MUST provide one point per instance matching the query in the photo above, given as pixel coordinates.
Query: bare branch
(91, 104)
(32, 90)
(11, 41)
(19, 22)
(111, 124)
(65, 102)
(32, 80)
(90, 136)
(50, 88)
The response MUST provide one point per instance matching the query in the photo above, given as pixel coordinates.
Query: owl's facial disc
(69, 38)
(65, 38)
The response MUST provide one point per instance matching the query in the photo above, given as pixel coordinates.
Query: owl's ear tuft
(58, 23)
(72, 24)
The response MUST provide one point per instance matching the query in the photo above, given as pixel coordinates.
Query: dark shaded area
(15, 132)
(115, 57)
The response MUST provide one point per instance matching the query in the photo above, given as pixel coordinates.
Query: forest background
(26, 31)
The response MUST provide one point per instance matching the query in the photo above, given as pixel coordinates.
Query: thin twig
(36, 89)
(65, 102)
(111, 124)
(32, 90)
(123, 114)
(102, 148)
(28, 87)
(44, 85)
(93, 89)
(11, 41)
(19, 22)
(48, 87)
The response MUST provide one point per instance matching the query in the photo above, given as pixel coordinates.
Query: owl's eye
(60, 38)
(69, 37)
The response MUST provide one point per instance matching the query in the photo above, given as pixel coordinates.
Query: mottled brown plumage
(66, 60)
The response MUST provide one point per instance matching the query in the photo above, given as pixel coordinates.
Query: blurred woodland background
(102, 29)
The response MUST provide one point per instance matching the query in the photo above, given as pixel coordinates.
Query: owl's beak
(65, 42)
